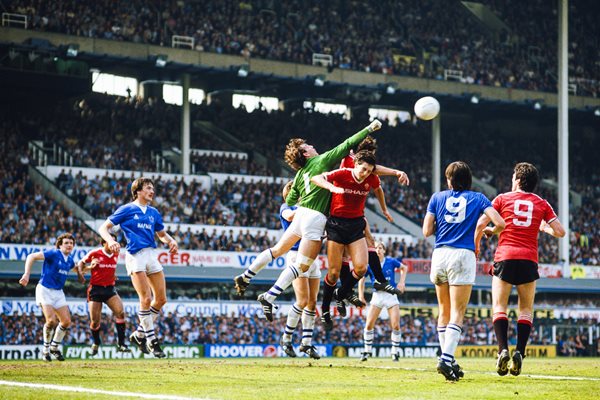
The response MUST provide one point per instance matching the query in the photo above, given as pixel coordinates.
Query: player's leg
(526, 294)
(359, 254)
(380, 282)
(158, 287)
(369, 330)
(500, 294)
(116, 306)
(49, 326)
(144, 292)
(394, 315)
(95, 309)
(335, 252)
(308, 251)
(310, 312)
(301, 291)
(442, 291)
(285, 243)
(64, 322)
(459, 298)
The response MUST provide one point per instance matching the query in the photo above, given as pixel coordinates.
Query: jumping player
(101, 290)
(346, 224)
(306, 288)
(139, 222)
(452, 215)
(516, 258)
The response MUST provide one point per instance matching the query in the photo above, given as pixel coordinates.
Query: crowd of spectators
(237, 203)
(415, 37)
(27, 214)
(193, 329)
(204, 163)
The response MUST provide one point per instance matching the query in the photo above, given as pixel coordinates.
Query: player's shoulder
(50, 253)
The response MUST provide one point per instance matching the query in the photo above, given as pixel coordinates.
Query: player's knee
(119, 315)
(51, 323)
(65, 323)
(145, 301)
(332, 277)
(304, 262)
(360, 270)
(160, 301)
(301, 303)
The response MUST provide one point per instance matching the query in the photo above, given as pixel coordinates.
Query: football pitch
(284, 378)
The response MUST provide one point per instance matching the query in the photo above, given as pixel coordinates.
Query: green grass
(283, 378)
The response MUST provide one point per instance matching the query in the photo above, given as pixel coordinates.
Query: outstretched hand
(374, 126)
(403, 178)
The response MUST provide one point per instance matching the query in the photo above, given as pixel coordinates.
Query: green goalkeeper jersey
(310, 195)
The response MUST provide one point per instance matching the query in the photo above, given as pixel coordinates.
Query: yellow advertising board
(472, 312)
(489, 351)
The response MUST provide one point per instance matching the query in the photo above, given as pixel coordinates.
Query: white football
(427, 108)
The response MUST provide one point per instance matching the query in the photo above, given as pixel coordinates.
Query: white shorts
(313, 272)
(50, 297)
(309, 224)
(145, 260)
(384, 300)
(452, 265)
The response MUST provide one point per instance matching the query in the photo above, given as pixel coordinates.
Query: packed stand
(27, 214)
(231, 203)
(416, 37)
(204, 163)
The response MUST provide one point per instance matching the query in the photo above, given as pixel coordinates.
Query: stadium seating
(416, 38)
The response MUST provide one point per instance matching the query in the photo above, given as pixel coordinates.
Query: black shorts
(100, 294)
(345, 230)
(516, 272)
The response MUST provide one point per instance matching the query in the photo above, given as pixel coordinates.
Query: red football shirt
(523, 213)
(351, 204)
(104, 273)
(348, 161)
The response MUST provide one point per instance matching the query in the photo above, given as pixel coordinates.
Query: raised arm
(381, 170)
(31, 258)
(335, 155)
(381, 199)
(321, 181)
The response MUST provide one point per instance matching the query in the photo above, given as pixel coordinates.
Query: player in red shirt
(516, 258)
(103, 266)
(346, 224)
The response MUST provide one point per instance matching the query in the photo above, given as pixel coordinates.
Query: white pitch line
(76, 389)
(549, 377)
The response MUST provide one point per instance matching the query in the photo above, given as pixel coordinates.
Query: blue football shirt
(285, 223)
(389, 270)
(56, 268)
(138, 226)
(456, 214)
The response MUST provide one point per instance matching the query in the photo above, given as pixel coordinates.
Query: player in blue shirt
(382, 299)
(452, 215)
(49, 291)
(306, 289)
(139, 222)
